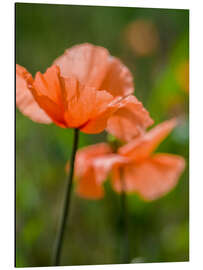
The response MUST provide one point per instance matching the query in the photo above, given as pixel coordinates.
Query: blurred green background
(154, 44)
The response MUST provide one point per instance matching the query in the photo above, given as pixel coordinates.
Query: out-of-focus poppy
(133, 168)
(142, 37)
(82, 89)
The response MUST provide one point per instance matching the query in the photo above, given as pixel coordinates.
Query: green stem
(65, 214)
(124, 224)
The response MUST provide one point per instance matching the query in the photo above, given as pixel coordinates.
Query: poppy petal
(152, 178)
(99, 122)
(47, 91)
(88, 187)
(25, 100)
(103, 165)
(103, 112)
(92, 172)
(130, 120)
(119, 178)
(85, 156)
(52, 109)
(83, 102)
(49, 84)
(141, 148)
(118, 80)
(88, 63)
(79, 102)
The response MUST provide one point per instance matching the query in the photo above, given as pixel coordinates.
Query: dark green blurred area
(158, 231)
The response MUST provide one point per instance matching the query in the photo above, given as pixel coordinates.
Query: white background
(196, 131)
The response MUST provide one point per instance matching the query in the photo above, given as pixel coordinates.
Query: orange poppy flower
(134, 168)
(82, 89)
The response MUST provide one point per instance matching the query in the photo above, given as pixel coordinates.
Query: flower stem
(124, 224)
(60, 236)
